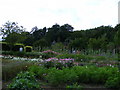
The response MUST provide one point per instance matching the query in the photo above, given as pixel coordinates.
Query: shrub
(55, 77)
(17, 46)
(39, 72)
(83, 73)
(92, 74)
(60, 77)
(24, 81)
(113, 81)
(4, 46)
(70, 76)
(28, 48)
(80, 74)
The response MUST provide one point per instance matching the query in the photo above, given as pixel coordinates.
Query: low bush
(79, 74)
(24, 81)
(28, 48)
(83, 73)
(113, 81)
(60, 77)
(94, 74)
(4, 46)
(40, 72)
(17, 47)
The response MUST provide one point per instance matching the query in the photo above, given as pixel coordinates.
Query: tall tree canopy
(10, 27)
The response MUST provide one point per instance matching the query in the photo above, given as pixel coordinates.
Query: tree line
(98, 38)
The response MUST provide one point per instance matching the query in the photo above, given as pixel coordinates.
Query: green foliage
(57, 47)
(100, 58)
(41, 44)
(94, 74)
(39, 72)
(76, 74)
(17, 53)
(59, 77)
(13, 38)
(4, 46)
(24, 81)
(78, 43)
(82, 39)
(49, 64)
(83, 58)
(75, 86)
(113, 82)
(77, 57)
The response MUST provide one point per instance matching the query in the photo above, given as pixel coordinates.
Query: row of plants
(49, 53)
(108, 76)
(84, 58)
(23, 54)
(68, 77)
(58, 63)
(45, 54)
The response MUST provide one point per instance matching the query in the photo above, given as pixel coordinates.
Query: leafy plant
(49, 64)
(74, 86)
(39, 72)
(24, 81)
(113, 82)
(59, 77)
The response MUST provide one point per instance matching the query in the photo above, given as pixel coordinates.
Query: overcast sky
(81, 14)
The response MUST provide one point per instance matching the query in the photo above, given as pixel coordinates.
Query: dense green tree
(40, 44)
(79, 43)
(13, 38)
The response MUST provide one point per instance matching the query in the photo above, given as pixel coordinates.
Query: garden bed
(63, 71)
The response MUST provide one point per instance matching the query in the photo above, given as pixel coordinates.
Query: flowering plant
(50, 51)
(58, 63)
